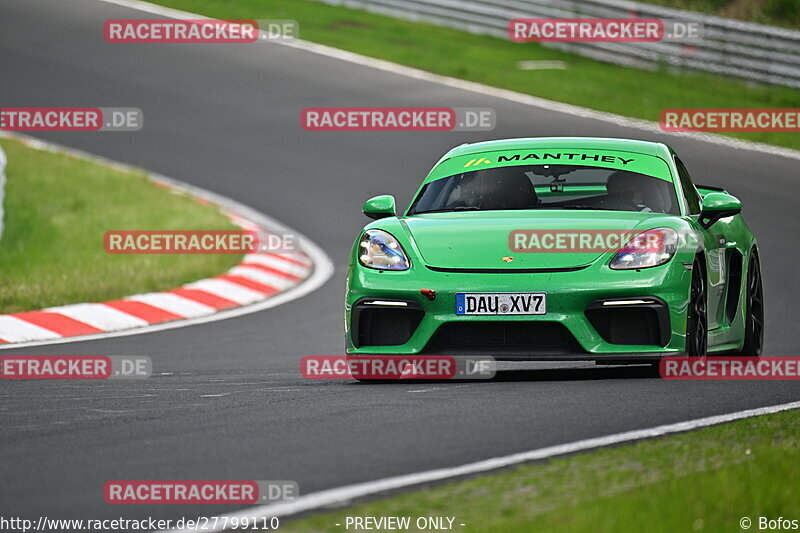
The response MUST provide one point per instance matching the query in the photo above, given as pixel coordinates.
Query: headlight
(378, 249)
(650, 248)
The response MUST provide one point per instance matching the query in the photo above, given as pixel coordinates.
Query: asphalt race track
(228, 401)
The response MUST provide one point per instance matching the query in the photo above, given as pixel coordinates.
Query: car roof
(594, 143)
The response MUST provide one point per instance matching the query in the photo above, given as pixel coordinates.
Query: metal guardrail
(744, 50)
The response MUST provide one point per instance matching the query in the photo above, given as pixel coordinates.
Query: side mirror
(717, 205)
(379, 207)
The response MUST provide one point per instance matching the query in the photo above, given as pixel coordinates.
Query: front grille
(503, 338)
(635, 325)
(384, 326)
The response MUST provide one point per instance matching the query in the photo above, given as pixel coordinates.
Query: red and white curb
(260, 281)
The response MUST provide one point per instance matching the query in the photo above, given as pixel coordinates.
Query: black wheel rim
(698, 328)
(755, 295)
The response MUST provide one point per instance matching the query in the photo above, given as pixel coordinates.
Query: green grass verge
(705, 480)
(493, 61)
(58, 208)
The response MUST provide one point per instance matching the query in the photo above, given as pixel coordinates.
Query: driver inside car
(485, 191)
(626, 192)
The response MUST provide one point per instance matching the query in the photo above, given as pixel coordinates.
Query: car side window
(689, 191)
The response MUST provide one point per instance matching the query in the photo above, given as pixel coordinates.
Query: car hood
(480, 240)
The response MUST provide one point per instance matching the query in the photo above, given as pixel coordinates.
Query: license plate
(501, 303)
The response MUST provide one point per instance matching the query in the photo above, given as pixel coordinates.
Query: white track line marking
(505, 94)
(99, 316)
(434, 389)
(344, 495)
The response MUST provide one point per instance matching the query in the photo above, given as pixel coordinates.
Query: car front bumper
(386, 313)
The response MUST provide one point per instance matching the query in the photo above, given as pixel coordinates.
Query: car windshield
(547, 187)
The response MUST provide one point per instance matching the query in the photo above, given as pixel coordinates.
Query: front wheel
(754, 309)
(696, 320)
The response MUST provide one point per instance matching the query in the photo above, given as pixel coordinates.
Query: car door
(715, 245)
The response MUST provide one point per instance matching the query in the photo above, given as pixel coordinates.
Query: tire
(696, 317)
(754, 309)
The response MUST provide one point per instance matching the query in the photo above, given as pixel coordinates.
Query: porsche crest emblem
(508, 259)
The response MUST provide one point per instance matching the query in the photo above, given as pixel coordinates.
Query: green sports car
(556, 248)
